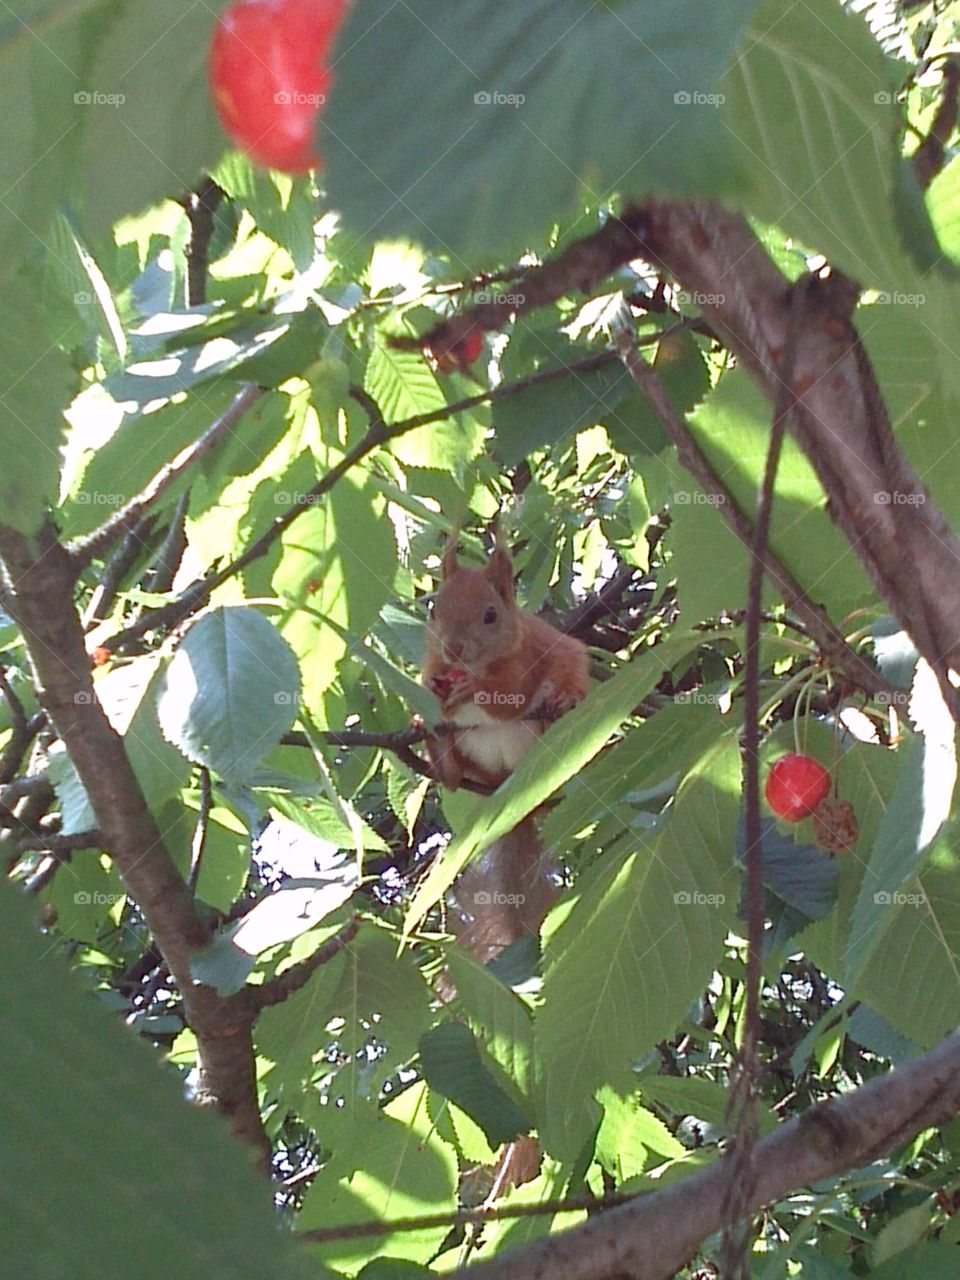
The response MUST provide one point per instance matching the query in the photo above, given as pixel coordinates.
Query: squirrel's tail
(505, 894)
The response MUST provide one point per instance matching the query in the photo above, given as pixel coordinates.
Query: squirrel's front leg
(441, 749)
(551, 702)
(452, 687)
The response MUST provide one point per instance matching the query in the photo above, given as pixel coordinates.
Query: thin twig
(742, 1103)
(95, 544)
(54, 842)
(285, 984)
(135, 541)
(832, 644)
(201, 206)
(379, 433)
(200, 832)
(20, 736)
(462, 1217)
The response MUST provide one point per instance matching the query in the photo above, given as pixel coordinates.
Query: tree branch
(22, 732)
(578, 269)
(41, 577)
(715, 252)
(285, 984)
(832, 644)
(379, 433)
(201, 207)
(127, 518)
(928, 158)
(652, 1237)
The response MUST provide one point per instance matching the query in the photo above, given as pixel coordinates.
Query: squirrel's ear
(448, 563)
(500, 573)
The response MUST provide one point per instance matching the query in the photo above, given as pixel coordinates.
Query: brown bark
(40, 599)
(655, 1234)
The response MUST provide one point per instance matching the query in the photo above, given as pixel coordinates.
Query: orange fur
(501, 674)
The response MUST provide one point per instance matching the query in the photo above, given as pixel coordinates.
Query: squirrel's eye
(431, 607)
(490, 617)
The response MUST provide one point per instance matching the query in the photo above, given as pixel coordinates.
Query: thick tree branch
(654, 1236)
(864, 473)
(40, 598)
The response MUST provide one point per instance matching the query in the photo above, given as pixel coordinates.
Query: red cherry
(795, 786)
(268, 78)
(461, 355)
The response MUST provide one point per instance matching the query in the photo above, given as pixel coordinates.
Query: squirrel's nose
(453, 649)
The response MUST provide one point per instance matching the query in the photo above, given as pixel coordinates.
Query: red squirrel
(499, 672)
(501, 676)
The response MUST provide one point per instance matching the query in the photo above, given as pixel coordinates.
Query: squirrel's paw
(451, 686)
(552, 702)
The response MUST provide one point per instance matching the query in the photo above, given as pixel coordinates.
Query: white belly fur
(495, 745)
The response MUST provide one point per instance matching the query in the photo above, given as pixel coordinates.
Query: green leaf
(91, 308)
(895, 859)
(160, 133)
(231, 690)
(42, 56)
(291, 1038)
(284, 208)
(266, 349)
(943, 199)
(563, 751)
(903, 1232)
(320, 818)
(129, 695)
(652, 755)
(404, 386)
(875, 1034)
(800, 875)
(929, 1261)
(337, 571)
(732, 428)
(366, 985)
(86, 898)
(500, 1019)
(452, 1065)
(629, 1133)
(35, 388)
(393, 1165)
(637, 949)
(694, 1096)
(812, 107)
(548, 413)
(226, 858)
(64, 1122)
(107, 466)
(531, 105)
(294, 907)
(921, 943)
